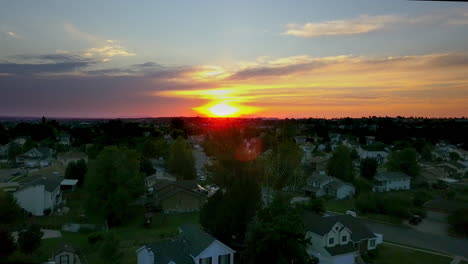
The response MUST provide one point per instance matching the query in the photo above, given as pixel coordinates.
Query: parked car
(415, 219)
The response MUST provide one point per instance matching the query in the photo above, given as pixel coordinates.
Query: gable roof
(50, 181)
(323, 225)
(341, 249)
(391, 175)
(67, 248)
(191, 242)
(196, 239)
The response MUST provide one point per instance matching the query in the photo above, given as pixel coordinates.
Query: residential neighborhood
(155, 191)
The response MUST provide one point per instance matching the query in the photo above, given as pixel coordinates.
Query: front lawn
(340, 206)
(389, 254)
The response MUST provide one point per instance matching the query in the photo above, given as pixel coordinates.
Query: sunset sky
(320, 58)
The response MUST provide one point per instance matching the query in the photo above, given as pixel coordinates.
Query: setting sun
(223, 110)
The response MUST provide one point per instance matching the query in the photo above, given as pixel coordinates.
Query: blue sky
(100, 35)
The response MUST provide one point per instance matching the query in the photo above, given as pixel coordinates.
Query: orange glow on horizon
(223, 110)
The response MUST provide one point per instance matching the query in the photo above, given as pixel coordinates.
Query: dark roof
(445, 204)
(66, 247)
(359, 231)
(323, 225)
(317, 223)
(50, 182)
(391, 175)
(191, 242)
(196, 239)
(169, 250)
(341, 249)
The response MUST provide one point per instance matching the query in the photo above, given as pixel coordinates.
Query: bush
(95, 237)
(458, 222)
(421, 197)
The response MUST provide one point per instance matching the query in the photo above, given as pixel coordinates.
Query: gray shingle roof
(196, 239)
(50, 182)
(391, 175)
(169, 250)
(341, 249)
(322, 225)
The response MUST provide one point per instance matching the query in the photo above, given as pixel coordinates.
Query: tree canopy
(405, 160)
(29, 240)
(279, 227)
(340, 165)
(181, 162)
(76, 170)
(10, 211)
(368, 168)
(112, 182)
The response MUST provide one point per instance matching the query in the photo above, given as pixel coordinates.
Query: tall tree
(112, 182)
(13, 151)
(340, 165)
(10, 211)
(231, 212)
(8, 243)
(368, 168)
(29, 240)
(181, 162)
(278, 226)
(77, 170)
(405, 160)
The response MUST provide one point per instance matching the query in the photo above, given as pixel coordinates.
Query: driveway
(411, 237)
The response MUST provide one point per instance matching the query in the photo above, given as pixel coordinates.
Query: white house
(320, 185)
(380, 156)
(338, 239)
(67, 254)
(391, 180)
(192, 245)
(36, 157)
(40, 194)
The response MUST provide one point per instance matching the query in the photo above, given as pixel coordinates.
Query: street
(411, 237)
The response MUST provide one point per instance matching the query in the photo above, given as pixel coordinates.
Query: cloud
(47, 63)
(368, 23)
(102, 49)
(13, 35)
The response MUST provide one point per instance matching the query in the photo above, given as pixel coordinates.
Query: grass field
(389, 254)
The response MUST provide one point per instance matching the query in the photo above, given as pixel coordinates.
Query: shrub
(95, 237)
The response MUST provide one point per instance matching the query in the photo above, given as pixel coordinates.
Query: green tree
(77, 170)
(405, 160)
(146, 167)
(426, 152)
(233, 210)
(181, 162)
(279, 226)
(281, 164)
(458, 221)
(112, 182)
(340, 165)
(13, 151)
(454, 156)
(368, 168)
(109, 251)
(10, 211)
(151, 148)
(8, 243)
(29, 240)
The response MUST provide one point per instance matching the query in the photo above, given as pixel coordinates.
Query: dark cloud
(448, 60)
(276, 71)
(45, 63)
(148, 65)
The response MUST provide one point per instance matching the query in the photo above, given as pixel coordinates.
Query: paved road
(411, 237)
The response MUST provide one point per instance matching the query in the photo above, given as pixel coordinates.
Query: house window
(205, 260)
(64, 259)
(372, 243)
(224, 259)
(344, 239)
(331, 241)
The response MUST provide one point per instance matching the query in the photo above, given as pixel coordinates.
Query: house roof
(323, 225)
(341, 249)
(358, 230)
(335, 184)
(72, 155)
(391, 175)
(168, 251)
(50, 181)
(443, 204)
(196, 239)
(66, 247)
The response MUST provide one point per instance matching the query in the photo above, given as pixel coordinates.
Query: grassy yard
(339, 206)
(388, 254)
(132, 236)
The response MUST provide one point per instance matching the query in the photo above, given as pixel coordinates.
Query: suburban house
(179, 196)
(159, 175)
(73, 156)
(319, 163)
(320, 185)
(36, 157)
(432, 174)
(380, 156)
(192, 245)
(4, 152)
(439, 209)
(339, 239)
(391, 180)
(40, 193)
(67, 254)
(64, 139)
